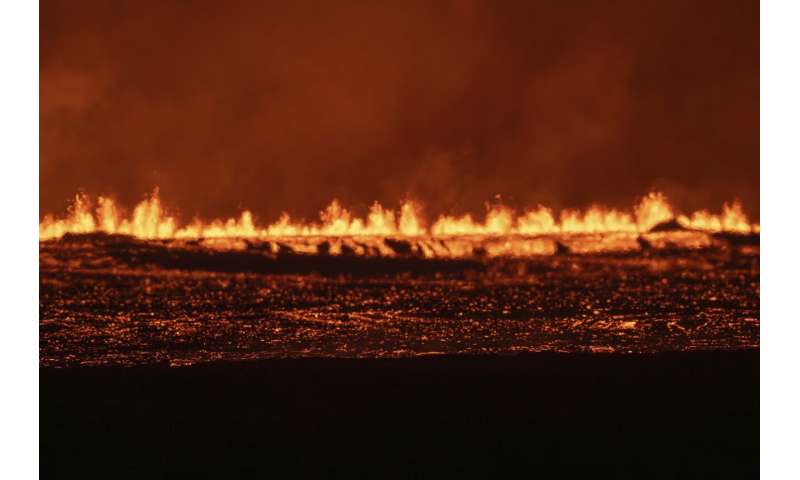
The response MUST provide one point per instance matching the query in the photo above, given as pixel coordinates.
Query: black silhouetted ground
(668, 415)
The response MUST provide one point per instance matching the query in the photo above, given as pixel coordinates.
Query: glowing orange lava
(150, 220)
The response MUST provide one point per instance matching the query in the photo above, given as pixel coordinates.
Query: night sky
(284, 106)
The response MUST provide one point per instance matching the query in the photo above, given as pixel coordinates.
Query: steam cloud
(281, 107)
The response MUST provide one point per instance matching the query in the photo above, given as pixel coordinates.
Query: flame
(732, 219)
(150, 220)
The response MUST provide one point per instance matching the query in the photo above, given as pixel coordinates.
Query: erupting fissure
(150, 220)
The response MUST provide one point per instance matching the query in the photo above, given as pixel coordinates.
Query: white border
(19, 194)
(780, 321)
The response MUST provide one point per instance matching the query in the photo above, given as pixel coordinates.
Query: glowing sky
(281, 107)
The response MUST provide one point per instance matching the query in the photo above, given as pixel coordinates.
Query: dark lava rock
(480, 252)
(96, 237)
(284, 249)
(324, 248)
(739, 239)
(400, 247)
(671, 225)
(348, 250)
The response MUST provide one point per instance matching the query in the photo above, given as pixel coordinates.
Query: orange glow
(732, 219)
(150, 220)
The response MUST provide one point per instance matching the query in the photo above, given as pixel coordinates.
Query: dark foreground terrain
(667, 415)
(595, 356)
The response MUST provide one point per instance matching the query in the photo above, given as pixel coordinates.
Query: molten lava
(150, 220)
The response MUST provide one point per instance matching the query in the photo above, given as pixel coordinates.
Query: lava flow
(151, 220)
